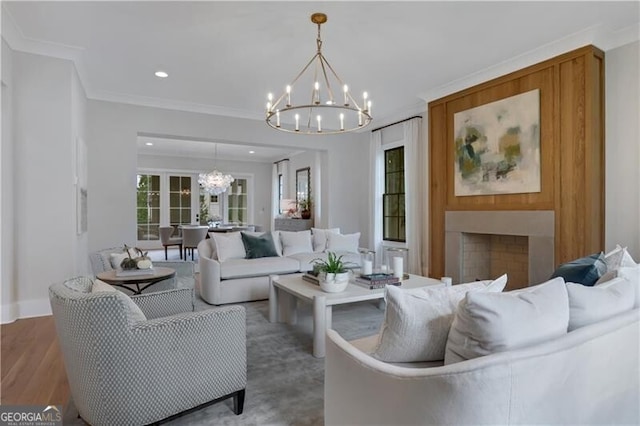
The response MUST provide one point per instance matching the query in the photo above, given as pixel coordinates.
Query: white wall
(112, 133)
(261, 173)
(47, 114)
(78, 128)
(7, 275)
(622, 177)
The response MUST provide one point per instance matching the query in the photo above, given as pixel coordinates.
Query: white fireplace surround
(537, 225)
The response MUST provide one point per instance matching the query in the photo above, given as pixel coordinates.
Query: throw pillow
(613, 259)
(133, 311)
(632, 274)
(343, 243)
(229, 246)
(259, 246)
(320, 238)
(116, 259)
(295, 242)
(275, 236)
(417, 321)
(485, 322)
(585, 270)
(588, 305)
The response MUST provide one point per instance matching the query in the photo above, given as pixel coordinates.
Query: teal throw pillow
(259, 246)
(585, 270)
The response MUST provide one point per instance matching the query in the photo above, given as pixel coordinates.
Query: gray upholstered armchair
(137, 360)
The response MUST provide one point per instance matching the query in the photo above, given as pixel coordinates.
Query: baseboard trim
(25, 309)
(9, 313)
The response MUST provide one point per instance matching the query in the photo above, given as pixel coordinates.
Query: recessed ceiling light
(148, 143)
(252, 152)
(161, 74)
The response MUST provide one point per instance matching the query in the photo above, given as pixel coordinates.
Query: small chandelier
(215, 182)
(326, 112)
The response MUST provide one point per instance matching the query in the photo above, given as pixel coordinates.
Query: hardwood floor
(32, 370)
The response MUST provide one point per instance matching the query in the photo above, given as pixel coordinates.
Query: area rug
(285, 383)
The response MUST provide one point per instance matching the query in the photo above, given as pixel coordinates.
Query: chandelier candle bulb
(341, 121)
(288, 96)
(317, 92)
(369, 107)
(359, 118)
(346, 90)
(319, 124)
(277, 118)
(365, 95)
(297, 123)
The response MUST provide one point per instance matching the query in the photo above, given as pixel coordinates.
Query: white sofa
(588, 376)
(244, 280)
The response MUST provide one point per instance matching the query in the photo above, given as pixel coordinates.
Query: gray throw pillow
(259, 246)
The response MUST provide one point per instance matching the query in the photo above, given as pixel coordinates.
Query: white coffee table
(285, 291)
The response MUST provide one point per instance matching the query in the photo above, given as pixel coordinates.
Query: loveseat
(228, 276)
(588, 375)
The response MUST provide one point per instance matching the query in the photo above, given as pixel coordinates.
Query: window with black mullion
(393, 209)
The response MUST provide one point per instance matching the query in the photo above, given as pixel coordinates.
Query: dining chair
(191, 236)
(167, 239)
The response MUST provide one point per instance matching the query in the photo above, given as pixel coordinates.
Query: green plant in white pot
(333, 273)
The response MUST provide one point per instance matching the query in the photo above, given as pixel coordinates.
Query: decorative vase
(334, 283)
(305, 214)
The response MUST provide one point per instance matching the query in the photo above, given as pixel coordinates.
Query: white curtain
(376, 190)
(414, 190)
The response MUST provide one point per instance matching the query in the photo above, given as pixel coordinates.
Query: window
(179, 200)
(393, 208)
(230, 206)
(209, 208)
(148, 207)
(237, 210)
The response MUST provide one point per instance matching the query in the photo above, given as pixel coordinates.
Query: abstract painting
(497, 147)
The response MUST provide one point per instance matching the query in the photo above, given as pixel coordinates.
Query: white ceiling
(215, 151)
(224, 57)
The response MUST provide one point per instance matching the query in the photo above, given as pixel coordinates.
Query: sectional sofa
(586, 372)
(228, 276)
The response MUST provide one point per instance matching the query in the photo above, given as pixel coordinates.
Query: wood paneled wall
(571, 152)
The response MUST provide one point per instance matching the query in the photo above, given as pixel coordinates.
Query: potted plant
(305, 207)
(333, 273)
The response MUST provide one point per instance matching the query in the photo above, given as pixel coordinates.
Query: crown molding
(173, 105)
(15, 38)
(417, 108)
(598, 35)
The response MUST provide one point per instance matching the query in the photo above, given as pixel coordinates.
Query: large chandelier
(326, 112)
(215, 182)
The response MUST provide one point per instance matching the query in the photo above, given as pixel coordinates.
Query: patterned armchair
(141, 359)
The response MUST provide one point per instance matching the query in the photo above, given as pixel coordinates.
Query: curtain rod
(397, 122)
(280, 161)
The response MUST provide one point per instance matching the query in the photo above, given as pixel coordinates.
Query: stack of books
(311, 277)
(373, 281)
